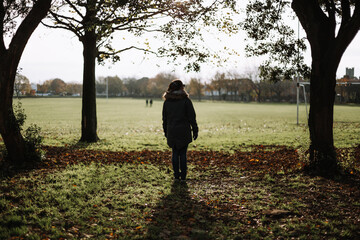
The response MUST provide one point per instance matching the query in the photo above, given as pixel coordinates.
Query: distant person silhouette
(179, 120)
(147, 102)
(151, 102)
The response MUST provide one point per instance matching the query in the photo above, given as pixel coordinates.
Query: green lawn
(128, 124)
(139, 200)
(255, 193)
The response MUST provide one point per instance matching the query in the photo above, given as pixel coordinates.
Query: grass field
(128, 124)
(240, 192)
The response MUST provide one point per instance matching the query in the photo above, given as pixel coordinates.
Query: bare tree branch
(126, 49)
(77, 33)
(75, 8)
(67, 26)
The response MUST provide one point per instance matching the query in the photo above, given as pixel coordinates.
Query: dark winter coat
(179, 119)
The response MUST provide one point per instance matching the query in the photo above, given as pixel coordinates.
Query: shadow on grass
(178, 216)
(10, 169)
(80, 145)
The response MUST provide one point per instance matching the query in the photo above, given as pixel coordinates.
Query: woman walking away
(179, 119)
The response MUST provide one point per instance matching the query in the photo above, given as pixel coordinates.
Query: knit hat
(175, 85)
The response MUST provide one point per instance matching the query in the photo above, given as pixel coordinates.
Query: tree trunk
(89, 119)
(259, 96)
(322, 97)
(326, 50)
(9, 128)
(9, 61)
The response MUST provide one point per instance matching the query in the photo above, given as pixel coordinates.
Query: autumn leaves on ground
(245, 176)
(257, 193)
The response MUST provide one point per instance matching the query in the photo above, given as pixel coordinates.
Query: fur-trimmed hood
(175, 95)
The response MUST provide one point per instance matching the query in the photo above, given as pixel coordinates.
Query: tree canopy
(177, 23)
(21, 85)
(267, 24)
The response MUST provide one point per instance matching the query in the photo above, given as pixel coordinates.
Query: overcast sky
(58, 54)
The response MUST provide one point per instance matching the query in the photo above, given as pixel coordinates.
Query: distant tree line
(232, 87)
(222, 87)
(59, 87)
(56, 86)
(347, 91)
(219, 88)
(132, 87)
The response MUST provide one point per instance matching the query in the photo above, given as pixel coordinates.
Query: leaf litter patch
(260, 160)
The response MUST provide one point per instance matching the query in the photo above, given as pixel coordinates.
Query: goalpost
(303, 84)
(298, 85)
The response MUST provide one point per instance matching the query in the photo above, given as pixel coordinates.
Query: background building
(350, 72)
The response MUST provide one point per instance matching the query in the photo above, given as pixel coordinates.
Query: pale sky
(58, 54)
(55, 53)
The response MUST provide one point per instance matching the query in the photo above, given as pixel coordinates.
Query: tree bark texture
(9, 129)
(89, 118)
(326, 50)
(9, 61)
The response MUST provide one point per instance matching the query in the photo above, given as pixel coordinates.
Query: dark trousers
(179, 162)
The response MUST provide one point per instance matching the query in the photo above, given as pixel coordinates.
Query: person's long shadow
(178, 216)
